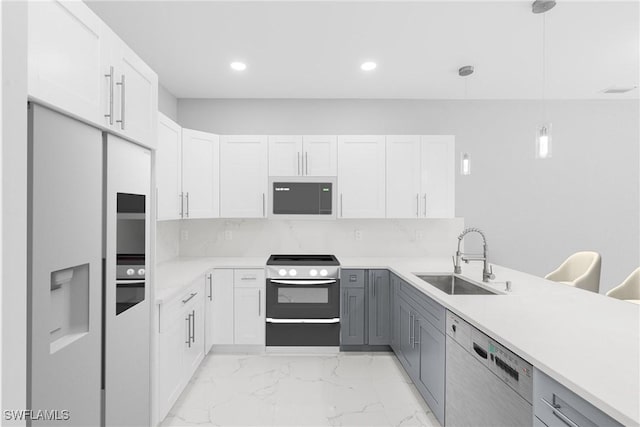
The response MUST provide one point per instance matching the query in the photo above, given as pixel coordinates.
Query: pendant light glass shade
(543, 142)
(465, 164)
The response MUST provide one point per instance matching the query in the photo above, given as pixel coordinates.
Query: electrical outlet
(357, 234)
(228, 235)
(184, 235)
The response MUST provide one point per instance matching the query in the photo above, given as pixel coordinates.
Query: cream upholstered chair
(581, 270)
(629, 289)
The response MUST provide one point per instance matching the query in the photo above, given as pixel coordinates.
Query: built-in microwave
(302, 197)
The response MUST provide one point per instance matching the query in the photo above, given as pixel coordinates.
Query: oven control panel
(303, 272)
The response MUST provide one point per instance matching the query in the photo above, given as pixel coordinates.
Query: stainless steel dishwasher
(486, 384)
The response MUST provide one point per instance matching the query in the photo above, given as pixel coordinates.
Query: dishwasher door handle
(479, 351)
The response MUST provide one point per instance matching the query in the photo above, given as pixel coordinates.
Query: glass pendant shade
(465, 164)
(543, 142)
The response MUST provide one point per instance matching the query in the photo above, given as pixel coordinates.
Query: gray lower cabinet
(420, 343)
(379, 308)
(352, 326)
(366, 316)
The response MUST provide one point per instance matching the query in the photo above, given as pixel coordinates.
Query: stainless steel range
(303, 301)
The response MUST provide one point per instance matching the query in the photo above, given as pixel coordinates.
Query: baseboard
(365, 347)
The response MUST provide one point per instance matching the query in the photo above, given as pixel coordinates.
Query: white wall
(260, 237)
(167, 103)
(535, 212)
(14, 206)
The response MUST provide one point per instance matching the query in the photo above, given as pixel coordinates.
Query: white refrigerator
(89, 333)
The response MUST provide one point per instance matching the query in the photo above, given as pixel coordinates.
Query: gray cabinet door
(409, 355)
(379, 310)
(353, 315)
(430, 381)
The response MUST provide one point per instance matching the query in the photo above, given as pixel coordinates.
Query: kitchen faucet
(487, 270)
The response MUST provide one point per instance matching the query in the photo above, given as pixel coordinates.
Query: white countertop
(588, 342)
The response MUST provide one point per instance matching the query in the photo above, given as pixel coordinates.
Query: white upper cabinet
(292, 155)
(169, 169)
(320, 155)
(76, 64)
(64, 61)
(404, 176)
(438, 176)
(130, 92)
(200, 174)
(420, 176)
(361, 176)
(243, 176)
(285, 155)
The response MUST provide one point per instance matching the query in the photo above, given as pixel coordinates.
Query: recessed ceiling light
(368, 66)
(238, 66)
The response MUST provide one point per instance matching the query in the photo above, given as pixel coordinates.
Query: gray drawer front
(428, 308)
(569, 407)
(352, 278)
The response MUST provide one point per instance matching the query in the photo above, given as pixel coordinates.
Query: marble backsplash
(346, 237)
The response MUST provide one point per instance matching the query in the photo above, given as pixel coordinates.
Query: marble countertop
(588, 342)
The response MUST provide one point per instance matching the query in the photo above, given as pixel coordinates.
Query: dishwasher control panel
(516, 372)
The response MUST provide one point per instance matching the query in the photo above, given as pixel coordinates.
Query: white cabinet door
(285, 155)
(403, 176)
(168, 169)
(320, 155)
(243, 176)
(438, 176)
(136, 98)
(194, 347)
(171, 344)
(221, 322)
(200, 174)
(361, 176)
(208, 312)
(64, 61)
(249, 318)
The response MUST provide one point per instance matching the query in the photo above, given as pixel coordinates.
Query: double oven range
(303, 301)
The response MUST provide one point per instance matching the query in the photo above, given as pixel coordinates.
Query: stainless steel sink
(454, 285)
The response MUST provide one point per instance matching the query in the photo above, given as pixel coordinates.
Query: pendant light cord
(544, 66)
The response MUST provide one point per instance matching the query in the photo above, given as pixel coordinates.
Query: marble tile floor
(345, 389)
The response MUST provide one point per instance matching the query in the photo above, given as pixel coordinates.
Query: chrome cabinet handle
(425, 204)
(193, 330)
(188, 319)
(210, 287)
(193, 294)
(306, 160)
(411, 330)
(181, 205)
(110, 77)
(557, 413)
(298, 157)
(346, 294)
(187, 211)
(264, 208)
(417, 205)
(122, 103)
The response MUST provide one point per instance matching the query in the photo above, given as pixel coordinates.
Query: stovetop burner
(302, 260)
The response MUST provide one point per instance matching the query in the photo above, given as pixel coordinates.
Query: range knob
(130, 272)
(323, 272)
(282, 272)
(313, 272)
(292, 272)
(141, 272)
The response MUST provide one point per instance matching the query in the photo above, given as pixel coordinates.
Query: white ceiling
(313, 49)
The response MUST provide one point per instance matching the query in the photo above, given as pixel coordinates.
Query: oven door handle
(130, 282)
(303, 282)
(333, 320)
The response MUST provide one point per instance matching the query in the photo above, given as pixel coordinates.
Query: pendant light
(465, 158)
(543, 134)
